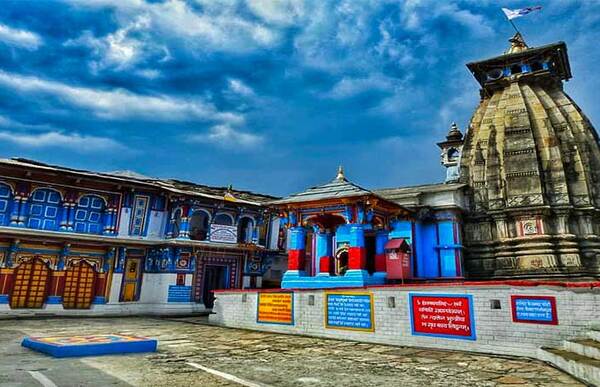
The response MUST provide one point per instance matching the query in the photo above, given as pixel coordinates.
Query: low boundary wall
(510, 318)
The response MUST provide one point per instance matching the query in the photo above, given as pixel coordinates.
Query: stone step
(584, 347)
(581, 367)
(594, 334)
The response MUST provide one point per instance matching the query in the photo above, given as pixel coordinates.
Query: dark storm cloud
(269, 95)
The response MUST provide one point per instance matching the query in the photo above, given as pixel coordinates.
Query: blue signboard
(349, 311)
(179, 293)
(534, 309)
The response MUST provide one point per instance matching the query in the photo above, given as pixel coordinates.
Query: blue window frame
(44, 208)
(5, 203)
(88, 214)
(138, 215)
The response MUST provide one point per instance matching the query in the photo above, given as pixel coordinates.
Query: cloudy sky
(269, 95)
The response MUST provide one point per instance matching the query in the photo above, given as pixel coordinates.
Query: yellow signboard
(275, 308)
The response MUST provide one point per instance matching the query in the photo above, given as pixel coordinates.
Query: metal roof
(337, 188)
(133, 178)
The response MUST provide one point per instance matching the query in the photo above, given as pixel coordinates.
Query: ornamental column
(357, 254)
(450, 248)
(297, 249)
(70, 226)
(57, 277)
(323, 251)
(20, 203)
(184, 226)
(15, 210)
(64, 216)
(107, 221)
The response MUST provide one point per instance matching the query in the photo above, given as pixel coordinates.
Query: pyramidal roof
(337, 188)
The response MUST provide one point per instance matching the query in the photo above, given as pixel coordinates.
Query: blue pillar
(184, 232)
(71, 217)
(23, 212)
(64, 216)
(14, 211)
(107, 221)
(174, 255)
(108, 259)
(66, 250)
(357, 255)
(449, 249)
(323, 248)
(427, 258)
(169, 228)
(14, 247)
(297, 238)
(184, 226)
(121, 261)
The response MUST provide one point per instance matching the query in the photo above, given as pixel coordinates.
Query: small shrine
(337, 235)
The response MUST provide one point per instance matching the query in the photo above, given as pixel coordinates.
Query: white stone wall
(496, 332)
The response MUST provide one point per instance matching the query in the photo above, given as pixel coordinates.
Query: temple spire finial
(517, 44)
(340, 173)
(454, 134)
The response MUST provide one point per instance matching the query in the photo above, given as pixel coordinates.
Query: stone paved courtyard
(259, 359)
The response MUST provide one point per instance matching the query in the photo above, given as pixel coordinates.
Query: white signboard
(222, 233)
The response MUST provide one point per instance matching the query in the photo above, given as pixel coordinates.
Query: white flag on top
(515, 13)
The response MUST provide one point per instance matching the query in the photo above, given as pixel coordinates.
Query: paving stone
(271, 359)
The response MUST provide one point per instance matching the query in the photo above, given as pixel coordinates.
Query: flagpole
(513, 24)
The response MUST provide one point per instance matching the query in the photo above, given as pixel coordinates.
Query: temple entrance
(131, 279)
(341, 262)
(370, 253)
(215, 277)
(79, 286)
(31, 280)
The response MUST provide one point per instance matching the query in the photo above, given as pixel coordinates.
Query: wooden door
(131, 278)
(31, 284)
(79, 286)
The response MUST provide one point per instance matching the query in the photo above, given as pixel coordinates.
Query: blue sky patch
(269, 95)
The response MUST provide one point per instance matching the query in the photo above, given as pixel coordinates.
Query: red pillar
(357, 258)
(324, 263)
(296, 259)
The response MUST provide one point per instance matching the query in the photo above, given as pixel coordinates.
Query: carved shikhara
(532, 161)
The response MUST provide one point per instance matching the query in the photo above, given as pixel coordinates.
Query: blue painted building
(343, 235)
(125, 243)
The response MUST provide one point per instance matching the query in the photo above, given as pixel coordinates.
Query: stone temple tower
(532, 162)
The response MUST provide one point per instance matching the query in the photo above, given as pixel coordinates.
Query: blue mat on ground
(72, 346)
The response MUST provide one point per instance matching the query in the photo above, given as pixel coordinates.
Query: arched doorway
(341, 262)
(31, 284)
(245, 230)
(199, 222)
(80, 280)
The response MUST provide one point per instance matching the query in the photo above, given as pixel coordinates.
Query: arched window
(44, 209)
(199, 225)
(88, 214)
(245, 230)
(453, 154)
(5, 203)
(223, 219)
(176, 222)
